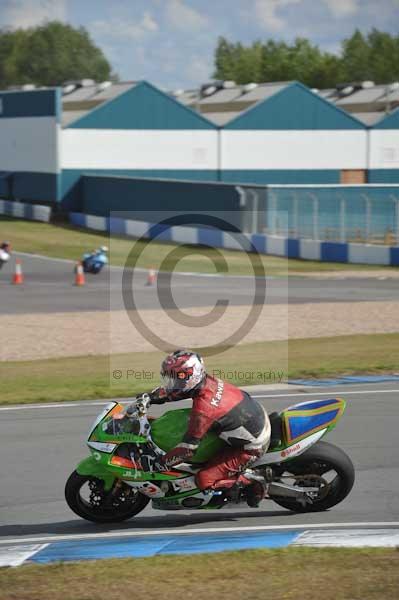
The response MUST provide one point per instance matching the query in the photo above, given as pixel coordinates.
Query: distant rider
(102, 251)
(94, 261)
(5, 252)
(219, 407)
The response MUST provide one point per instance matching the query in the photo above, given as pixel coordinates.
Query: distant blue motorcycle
(93, 262)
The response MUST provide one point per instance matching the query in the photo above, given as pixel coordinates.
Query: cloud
(198, 69)
(183, 17)
(266, 13)
(28, 13)
(120, 28)
(342, 8)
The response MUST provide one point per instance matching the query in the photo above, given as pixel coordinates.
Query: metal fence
(365, 214)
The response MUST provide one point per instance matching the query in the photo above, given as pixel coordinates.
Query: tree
(374, 56)
(248, 66)
(226, 55)
(49, 55)
(328, 72)
(384, 56)
(356, 57)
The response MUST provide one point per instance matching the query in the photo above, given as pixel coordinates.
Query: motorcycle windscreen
(303, 419)
(168, 431)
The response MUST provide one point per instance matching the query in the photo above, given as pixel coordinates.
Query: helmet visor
(175, 380)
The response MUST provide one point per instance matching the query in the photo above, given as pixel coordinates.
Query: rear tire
(98, 514)
(319, 459)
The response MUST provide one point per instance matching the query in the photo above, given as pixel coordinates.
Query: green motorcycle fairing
(168, 430)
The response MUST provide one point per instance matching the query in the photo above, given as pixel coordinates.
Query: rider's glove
(158, 396)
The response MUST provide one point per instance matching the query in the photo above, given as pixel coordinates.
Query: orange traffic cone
(79, 274)
(151, 276)
(18, 277)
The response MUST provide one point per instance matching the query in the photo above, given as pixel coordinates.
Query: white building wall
(308, 149)
(384, 149)
(29, 144)
(139, 149)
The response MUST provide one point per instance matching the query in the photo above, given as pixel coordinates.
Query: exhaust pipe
(290, 491)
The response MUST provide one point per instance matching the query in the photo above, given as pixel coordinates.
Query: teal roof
(391, 121)
(294, 107)
(142, 107)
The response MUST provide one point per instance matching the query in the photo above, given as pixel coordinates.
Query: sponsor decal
(135, 474)
(290, 450)
(149, 489)
(218, 396)
(187, 483)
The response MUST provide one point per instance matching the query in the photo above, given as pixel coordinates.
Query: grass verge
(88, 377)
(288, 574)
(65, 241)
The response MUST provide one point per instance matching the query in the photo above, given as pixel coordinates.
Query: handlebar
(139, 406)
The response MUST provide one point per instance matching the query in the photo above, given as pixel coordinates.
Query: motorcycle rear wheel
(101, 514)
(319, 460)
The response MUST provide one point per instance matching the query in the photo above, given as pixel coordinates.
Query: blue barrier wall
(264, 244)
(29, 212)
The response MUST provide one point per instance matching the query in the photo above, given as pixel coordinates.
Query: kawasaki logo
(218, 396)
(290, 450)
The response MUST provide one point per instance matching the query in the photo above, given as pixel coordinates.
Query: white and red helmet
(182, 371)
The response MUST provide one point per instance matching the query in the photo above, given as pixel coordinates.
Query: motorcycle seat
(276, 424)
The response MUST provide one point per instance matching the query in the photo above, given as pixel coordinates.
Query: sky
(171, 43)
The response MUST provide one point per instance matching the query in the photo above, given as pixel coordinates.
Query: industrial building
(221, 101)
(135, 130)
(55, 144)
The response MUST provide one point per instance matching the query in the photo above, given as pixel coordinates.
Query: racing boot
(252, 490)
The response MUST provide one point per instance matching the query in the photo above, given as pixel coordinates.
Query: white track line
(42, 257)
(140, 269)
(89, 403)
(130, 533)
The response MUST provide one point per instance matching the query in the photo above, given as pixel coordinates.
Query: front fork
(89, 466)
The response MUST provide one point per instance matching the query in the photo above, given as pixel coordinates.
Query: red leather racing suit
(236, 418)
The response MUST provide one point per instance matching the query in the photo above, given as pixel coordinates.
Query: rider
(102, 250)
(99, 255)
(221, 407)
(5, 251)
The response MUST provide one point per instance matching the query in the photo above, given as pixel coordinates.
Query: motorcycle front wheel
(325, 466)
(87, 498)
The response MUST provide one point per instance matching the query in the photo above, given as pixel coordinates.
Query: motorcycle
(4, 257)
(94, 262)
(120, 477)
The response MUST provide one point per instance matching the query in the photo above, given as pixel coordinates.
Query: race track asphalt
(49, 287)
(40, 446)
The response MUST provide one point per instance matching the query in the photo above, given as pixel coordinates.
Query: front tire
(126, 504)
(320, 459)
